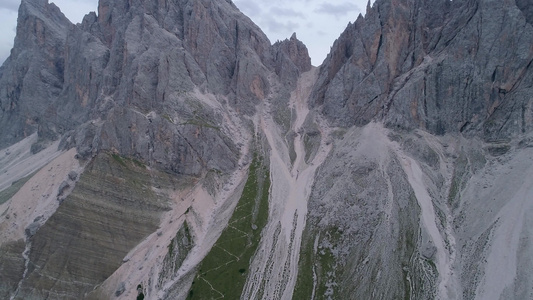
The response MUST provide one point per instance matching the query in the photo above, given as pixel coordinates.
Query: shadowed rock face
(11, 267)
(443, 66)
(32, 78)
(527, 8)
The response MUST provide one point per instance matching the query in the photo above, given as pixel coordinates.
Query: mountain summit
(167, 150)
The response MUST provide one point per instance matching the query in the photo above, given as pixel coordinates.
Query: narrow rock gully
(275, 267)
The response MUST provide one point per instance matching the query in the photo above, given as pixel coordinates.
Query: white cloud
(7, 36)
(75, 10)
(287, 26)
(251, 8)
(316, 23)
(10, 5)
(338, 10)
(286, 12)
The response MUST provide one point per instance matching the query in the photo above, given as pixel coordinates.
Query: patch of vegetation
(282, 116)
(304, 281)
(168, 118)
(138, 163)
(178, 249)
(477, 160)
(423, 274)
(455, 186)
(395, 137)
(124, 160)
(498, 150)
(409, 228)
(311, 144)
(407, 285)
(8, 193)
(421, 151)
(322, 264)
(216, 171)
(289, 138)
(406, 247)
(140, 293)
(222, 273)
(130, 177)
(431, 263)
(118, 159)
(201, 123)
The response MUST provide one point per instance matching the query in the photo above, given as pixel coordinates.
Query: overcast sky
(316, 22)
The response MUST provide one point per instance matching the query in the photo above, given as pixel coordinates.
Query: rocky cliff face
(166, 150)
(139, 60)
(33, 76)
(453, 70)
(443, 66)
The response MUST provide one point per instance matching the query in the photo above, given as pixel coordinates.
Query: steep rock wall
(443, 66)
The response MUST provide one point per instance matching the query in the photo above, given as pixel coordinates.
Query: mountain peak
(296, 51)
(293, 37)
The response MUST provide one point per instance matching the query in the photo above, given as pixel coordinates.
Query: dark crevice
(200, 158)
(425, 97)
(456, 25)
(464, 127)
(380, 43)
(507, 118)
(523, 115)
(526, 6)
(521, 76)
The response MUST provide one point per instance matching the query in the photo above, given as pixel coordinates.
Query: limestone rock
(32, 77)
(73, 176)
(291, 59)
(438, 65)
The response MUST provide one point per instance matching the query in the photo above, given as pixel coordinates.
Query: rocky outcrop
(291, 59)
(223, 50)
(112, 209)
(363, 228)
(438, 65)
(32, 78)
